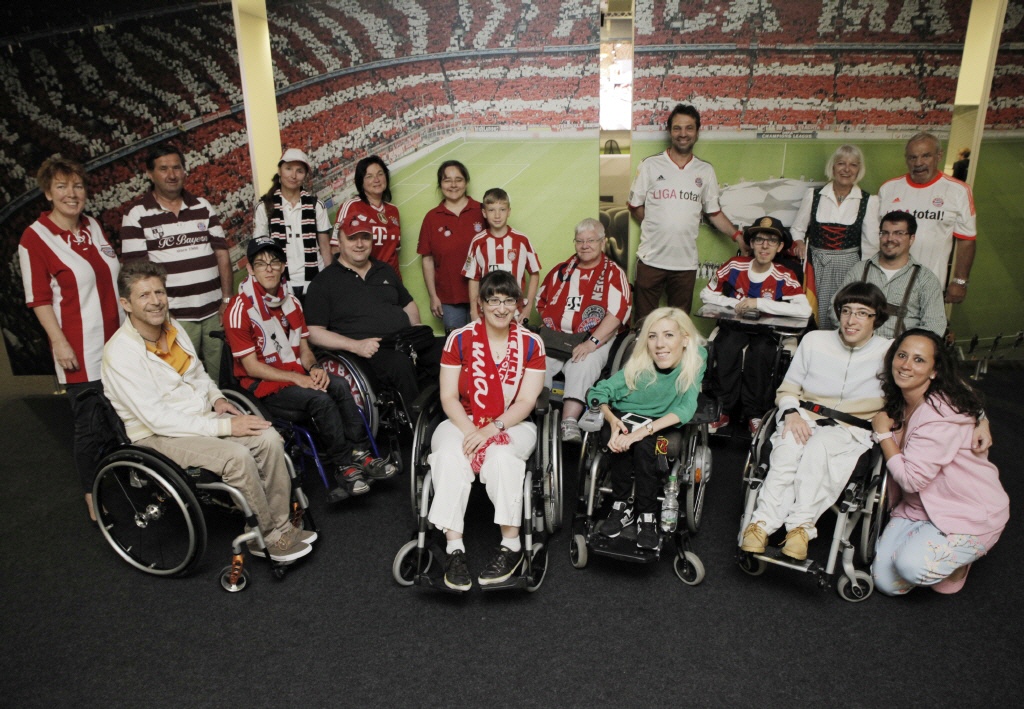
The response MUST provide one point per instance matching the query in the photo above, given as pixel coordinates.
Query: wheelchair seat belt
(841, 416)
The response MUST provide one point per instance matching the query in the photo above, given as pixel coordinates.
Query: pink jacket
(959, 489)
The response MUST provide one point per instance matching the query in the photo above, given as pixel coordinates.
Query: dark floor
(81, 627)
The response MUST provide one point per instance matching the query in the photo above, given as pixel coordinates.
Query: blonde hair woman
(656, 390)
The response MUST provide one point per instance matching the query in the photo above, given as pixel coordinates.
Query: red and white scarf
(493, 386)
(277, 344)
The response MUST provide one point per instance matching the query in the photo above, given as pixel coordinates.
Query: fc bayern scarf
(310, 244)
(487, 398)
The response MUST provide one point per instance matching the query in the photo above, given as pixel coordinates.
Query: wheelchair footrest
(437, 584)
(774, 555)
(623, 547)
(514, 582)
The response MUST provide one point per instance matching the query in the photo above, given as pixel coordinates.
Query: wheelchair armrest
(426, 395)
(708, 410)
(543, 402)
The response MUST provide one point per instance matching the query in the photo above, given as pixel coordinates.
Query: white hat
(295, 155)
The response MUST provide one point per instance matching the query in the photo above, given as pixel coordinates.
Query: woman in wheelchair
(492, 372)
(267, 333)
(953, 508)
(657, 389)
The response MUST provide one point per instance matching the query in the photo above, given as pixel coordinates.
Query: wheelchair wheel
(623, 352)
(245, 403)
(578, 551)
(538, 567)
(431, 415)
(698, 462)
(689, 568)
(148, 514)
(408, 563)
(876, 516)
(551, 470)
(234, 581)
(857, 589)
(751, 566)
(358, 380)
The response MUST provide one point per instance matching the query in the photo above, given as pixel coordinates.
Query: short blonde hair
(639, 370)
(846, 151)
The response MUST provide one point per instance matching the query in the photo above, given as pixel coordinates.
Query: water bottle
(592, 419)
(670, 505)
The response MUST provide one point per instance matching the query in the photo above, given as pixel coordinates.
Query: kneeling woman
(953, 508)
(492, 371)
(660, 382)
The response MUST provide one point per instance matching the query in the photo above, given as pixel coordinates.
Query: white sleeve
(260, 222)
(803, 217)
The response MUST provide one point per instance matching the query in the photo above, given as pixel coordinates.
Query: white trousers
(502, 474)
(804, 480)
(579, 376)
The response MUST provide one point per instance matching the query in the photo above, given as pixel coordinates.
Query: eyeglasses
(496, 301)
(899, 234)
(856, 314)
(267, 265)
(764, 240)
(587, 242)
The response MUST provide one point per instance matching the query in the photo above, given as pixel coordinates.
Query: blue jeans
(454, 316)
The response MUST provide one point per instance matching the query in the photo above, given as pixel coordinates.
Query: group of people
(157, 360)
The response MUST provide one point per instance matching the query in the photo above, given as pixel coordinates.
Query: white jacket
(151, 397)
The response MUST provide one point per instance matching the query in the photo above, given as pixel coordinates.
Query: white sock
(511, 543)
(455, 545)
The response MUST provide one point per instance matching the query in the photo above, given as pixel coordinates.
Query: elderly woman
(951, 508)
(659, 385)
(297, 220)
(69, 271)
(444, 243)
(373, 210)
(835, 227)
(492, 371)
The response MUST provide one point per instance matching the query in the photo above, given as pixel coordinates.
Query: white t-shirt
(294, 249)
(944, 209)
(673, 198)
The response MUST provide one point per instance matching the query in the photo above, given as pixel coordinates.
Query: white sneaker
(570, 431)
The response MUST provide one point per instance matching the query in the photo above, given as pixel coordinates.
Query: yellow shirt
(175, 355)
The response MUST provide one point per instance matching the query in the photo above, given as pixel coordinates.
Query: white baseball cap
(295, 155)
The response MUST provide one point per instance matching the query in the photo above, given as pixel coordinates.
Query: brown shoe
(755, 539)
(796, 544)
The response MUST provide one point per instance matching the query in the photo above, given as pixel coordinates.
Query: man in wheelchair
(267, 333)
(750, 285)
(359, 305)
(826, 402)
(161, 392)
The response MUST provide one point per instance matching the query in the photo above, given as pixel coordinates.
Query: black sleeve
(317, 305)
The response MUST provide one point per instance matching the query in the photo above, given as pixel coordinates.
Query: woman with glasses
(950, 508)
(583, 303)
(297, 221)
(69, 271)
(444, 243)
(835, 227)
(492, 371)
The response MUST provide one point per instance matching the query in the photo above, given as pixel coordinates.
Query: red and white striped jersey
(574, 299)
(76, 273)
(512, 252)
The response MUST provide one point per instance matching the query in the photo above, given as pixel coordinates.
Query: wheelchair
(148, 509)
(420, 561)
(688, 457)
(784, 331)
(384, 413)
(863, 503)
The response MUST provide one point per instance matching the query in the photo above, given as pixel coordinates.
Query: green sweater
(656, 399)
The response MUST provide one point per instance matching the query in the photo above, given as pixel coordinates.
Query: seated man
(749, 284)
(913, 292)
(814, 454)
(267, 334)
(587, 296)
(158, 387)
(359, 305)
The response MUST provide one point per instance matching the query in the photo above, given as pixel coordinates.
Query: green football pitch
(554, 183)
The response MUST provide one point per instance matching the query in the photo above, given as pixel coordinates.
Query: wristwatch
(958, 282)
(879, 437)
(226, 299)
(650, 428)
(597, 342)
(498, 424)
(788, 411)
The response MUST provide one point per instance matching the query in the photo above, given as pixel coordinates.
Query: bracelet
(879, 437)
(959, 282)
(315, 366)
(737, 234)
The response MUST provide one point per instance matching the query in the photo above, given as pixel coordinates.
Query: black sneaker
(456, 571)
(502, 566)
(618, 519)
(375, 468)
(647, 532)
(350, 483)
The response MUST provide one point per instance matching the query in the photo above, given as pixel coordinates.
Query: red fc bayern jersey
(574, 299)
(512, 252)
(383, 223)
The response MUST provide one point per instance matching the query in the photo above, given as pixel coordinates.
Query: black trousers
(748, 383)
(87, 439)
(639, 462)
(334, 413)
(395, 369)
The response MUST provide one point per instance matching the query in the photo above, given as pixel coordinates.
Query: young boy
(501, 248)
(267, 333)
(749, 284)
